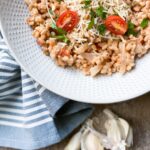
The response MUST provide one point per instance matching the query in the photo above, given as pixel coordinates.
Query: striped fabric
(32, 117)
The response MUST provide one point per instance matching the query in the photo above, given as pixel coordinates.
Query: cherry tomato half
(68, 20)
(116, 25)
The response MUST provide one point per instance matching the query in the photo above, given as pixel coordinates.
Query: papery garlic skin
(75, 142)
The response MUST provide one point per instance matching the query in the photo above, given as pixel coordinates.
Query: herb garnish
(102, 29)
(62, 38)
(59, 30)
(131, 29)
(91, 24)
(87, 3)
(93, 15)
(61, 33)
(144, 23)
(100, 12)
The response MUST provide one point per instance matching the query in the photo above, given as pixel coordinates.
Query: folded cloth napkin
(31, 116)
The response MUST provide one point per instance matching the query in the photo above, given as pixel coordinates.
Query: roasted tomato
(116, 25)
(68, 20)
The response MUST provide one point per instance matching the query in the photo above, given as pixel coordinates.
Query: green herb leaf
(59, 30)
(61, 33)
(62, 38)
(87, 3)
(92, 13)
(144, 23)
(91, 24)
(100, 12)
(102, 29)
(131, 29)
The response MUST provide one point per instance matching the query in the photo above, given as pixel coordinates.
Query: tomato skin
(68, 20)
(116, 25)
(64, 52)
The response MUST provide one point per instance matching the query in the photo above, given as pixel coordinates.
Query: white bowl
(66, 82)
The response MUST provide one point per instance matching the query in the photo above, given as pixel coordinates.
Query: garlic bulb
(113, 130)
(124, 127)
(74, 143)
(119, 135)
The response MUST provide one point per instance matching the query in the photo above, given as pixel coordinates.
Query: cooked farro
(88, 43)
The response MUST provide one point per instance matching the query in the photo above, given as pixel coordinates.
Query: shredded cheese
(111, 7)
(80, 33)
(46, 1)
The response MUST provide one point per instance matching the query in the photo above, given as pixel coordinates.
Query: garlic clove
(113, 130)
(110, 114)
(75, 142)
(84, 134)
(118, 131)
(90, 141)
(129, 140)
(112, 127)
(93, 143)
(124, 128)
(119, 135)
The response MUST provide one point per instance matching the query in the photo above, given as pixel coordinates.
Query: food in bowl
(94, 36)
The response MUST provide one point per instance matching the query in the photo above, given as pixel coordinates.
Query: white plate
(66, 82)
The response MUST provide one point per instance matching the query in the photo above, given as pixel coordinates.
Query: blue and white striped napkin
(32, 117)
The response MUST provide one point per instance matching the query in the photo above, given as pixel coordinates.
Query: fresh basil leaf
(102, 29)
(91, 24)
(131, 29)
(144, 23)
(100, 12)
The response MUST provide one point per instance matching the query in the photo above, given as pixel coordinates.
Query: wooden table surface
(136, 111)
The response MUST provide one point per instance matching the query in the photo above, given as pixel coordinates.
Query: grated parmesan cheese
(111, 7)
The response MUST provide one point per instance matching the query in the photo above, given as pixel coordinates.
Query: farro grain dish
(94, 36)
